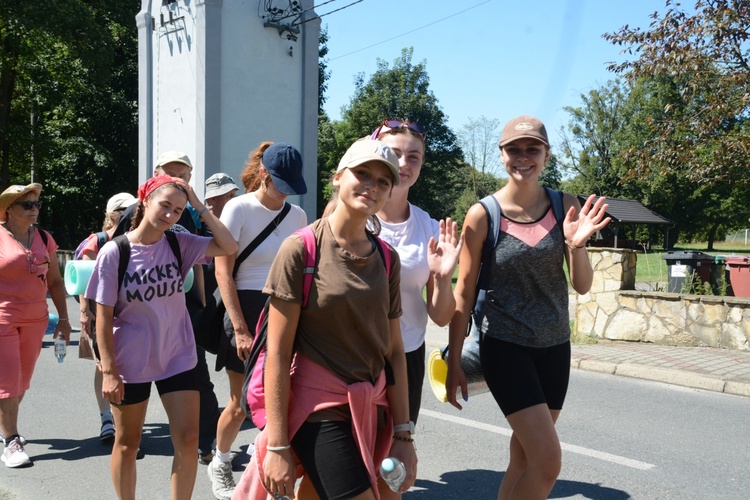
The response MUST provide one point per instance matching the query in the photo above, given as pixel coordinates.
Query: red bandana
(152, 184)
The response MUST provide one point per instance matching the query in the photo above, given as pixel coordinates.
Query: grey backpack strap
(556, 200)
(494, 212)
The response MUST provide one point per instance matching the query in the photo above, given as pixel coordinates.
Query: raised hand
(590, 220)
(442, 254)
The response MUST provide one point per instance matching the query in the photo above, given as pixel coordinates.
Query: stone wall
(614, 310)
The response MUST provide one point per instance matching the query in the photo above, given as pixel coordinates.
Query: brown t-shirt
(345, 326)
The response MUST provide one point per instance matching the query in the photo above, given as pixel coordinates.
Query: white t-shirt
(410, 239)
(246, 217)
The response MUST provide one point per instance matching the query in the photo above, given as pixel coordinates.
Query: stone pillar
(614, 270)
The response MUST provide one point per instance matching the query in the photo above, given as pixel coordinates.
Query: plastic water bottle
(393, 472)
(52, 324)
(60, 348)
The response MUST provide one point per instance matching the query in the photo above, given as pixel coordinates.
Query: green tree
(323, 73)
(615, 122)
(402, 91)
(68, 115)
(551, 176)
(486, 184)
(706, 54)
(590, 140)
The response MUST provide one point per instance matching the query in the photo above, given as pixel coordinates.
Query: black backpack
(123, 243)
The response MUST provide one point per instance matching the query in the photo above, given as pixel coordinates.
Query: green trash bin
(719, 276)
(683, 265)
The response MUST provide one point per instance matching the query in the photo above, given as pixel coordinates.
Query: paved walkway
(708, 368)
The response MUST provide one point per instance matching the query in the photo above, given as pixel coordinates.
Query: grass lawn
(652, 268)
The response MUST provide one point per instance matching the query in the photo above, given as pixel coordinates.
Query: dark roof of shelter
(630, 212)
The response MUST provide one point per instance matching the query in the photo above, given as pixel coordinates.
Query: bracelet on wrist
(205, 209)
(573, 247)
(278, 448)
(63, 319)
(400, 438)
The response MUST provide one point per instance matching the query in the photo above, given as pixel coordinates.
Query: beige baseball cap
(367, 149)
(173, 157)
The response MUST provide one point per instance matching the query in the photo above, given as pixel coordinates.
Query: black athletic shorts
(251, 303)
(331, 459)
(137, 393)
(520, 377)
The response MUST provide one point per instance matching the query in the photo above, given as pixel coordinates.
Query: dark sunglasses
(28, 205)
(393, 124)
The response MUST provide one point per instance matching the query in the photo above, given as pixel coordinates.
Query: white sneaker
(222, 480)
(14, 455)
(21, 438)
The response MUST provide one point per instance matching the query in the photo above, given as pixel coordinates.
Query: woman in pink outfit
(28, 270)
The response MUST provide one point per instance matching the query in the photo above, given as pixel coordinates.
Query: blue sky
(497, 58)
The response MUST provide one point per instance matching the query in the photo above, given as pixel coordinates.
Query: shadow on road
(71, 449)
(480, 483)
(566, 489)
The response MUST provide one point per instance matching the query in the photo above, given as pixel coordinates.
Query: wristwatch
(408, 427)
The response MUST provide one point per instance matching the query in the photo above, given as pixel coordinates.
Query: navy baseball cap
(284, 163)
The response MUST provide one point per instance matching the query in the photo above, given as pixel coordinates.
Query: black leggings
(331, 459)
(520, 377)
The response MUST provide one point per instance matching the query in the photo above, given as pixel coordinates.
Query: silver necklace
(25, 247)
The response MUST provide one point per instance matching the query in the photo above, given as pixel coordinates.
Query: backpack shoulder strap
(384, 249)
(123, 244)
(311, 255)
(43, 235)
(101, 238)
(556, 199)
(175, 246)
(494, 212)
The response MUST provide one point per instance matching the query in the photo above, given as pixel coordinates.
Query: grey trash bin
(683, 265)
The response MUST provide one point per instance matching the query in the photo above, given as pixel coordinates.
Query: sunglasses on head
(28, 205)
(391, 124)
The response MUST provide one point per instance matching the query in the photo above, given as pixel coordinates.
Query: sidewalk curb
(665, 375)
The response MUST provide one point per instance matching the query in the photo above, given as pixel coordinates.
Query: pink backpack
(253, 392)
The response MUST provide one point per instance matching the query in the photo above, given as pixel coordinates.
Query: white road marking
(580, 450)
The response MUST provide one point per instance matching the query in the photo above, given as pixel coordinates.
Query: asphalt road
(622, 438)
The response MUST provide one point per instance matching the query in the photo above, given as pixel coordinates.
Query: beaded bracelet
(63, 319)
(399, 438)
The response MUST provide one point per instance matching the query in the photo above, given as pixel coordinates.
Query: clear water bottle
(393, 472)
(60, 348)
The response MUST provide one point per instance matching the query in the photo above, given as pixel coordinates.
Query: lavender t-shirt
(153, 336)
